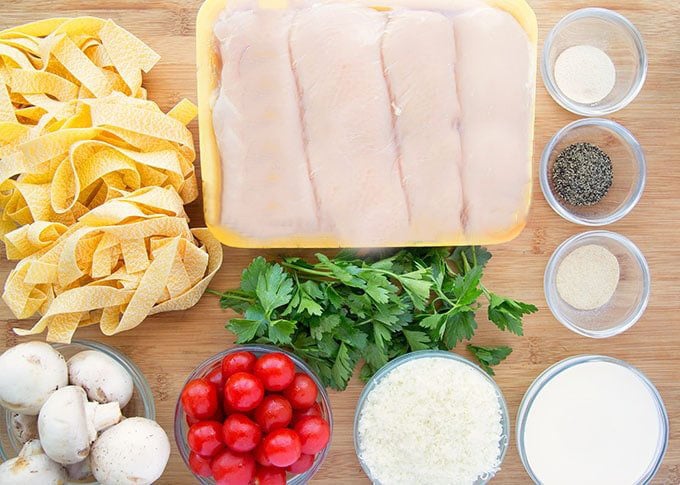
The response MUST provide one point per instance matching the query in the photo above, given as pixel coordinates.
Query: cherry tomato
(243, 392)
(199, 399)
(200, 465)
(191, 420)
(302, 392)
(275, 370)
(237, 362)
(206, 438)
(303, 464)
(215, 377)
(314, 433)
(260, 457)
(231, 468)
(241, 433)
(315, 410)
(282, 447)
(273, 413)
(270, 476)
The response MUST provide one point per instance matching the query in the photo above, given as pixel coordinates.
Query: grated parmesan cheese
(431, 420)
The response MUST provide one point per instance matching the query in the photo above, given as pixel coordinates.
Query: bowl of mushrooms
(77, 413)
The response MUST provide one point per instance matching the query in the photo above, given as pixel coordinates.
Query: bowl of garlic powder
(594, 62)
(597, 284)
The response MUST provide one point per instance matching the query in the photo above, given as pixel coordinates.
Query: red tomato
(191, 420)
(315, 410)
(260, 456)
(302, 465)
(275, 370)
(230, 468)
(314, 433)
(200, 465)
(237, 362)
(273, 413)
(205, 438)
(199, 399)
(243, 392)
(302, 392)
(241, 433)
(215, 377)
(270, 476)
(282, 447)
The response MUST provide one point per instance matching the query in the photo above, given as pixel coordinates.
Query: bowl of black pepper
(593, 172)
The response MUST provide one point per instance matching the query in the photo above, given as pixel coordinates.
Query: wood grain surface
(168, 346)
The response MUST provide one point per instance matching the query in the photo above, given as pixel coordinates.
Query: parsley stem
(300, 269)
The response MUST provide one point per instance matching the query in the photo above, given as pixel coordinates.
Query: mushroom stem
(102, 416)
(24, 427)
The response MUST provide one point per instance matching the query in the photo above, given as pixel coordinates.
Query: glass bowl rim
(141, 385)
(182, 446)
(630, 202)
(420, 354)
(578, 108)
(555, 369)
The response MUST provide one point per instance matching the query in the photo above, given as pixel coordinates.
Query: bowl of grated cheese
(431, 417)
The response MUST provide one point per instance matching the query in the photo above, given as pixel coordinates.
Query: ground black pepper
(582, 174)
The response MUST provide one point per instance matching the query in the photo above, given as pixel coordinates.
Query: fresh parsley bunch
(338, 311)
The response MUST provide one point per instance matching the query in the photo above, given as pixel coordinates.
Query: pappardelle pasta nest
(93, 178)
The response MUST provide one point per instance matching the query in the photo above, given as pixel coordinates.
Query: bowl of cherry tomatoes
(253, 414)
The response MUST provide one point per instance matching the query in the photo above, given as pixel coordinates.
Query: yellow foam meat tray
(208, 74)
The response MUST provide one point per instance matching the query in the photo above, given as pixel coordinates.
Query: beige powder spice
(587, 277)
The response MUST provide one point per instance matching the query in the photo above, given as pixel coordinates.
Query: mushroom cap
(103, 379)
(133, 452)
(29, 374)
(32, 468)
(63, 426)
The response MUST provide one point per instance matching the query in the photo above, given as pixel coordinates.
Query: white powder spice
(431, 421)
(585, 74)
(587, 277)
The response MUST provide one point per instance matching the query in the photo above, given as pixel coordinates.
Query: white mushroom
(103, 379)
(80, 472)
(29, 373)
(134, 452)
(32, 467)
(68, 424)
(24, 427)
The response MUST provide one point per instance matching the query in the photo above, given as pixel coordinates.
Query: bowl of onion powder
(431, 417)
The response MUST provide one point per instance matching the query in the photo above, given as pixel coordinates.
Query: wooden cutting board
(168, 346)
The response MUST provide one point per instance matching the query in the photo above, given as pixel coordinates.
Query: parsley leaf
(417, 340)
(489, 356)
(507, 314)
(274, 288)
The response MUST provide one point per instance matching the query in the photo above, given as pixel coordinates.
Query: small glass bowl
(204, 368)
(610, 32)
(628, 165)
(630, 297)
(142, 402)
(425, 354)
(547, 375)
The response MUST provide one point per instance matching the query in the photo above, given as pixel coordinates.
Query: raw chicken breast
(495, 84)
(347, 116)
(418, 50)
(343, 125)
(267, 191)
